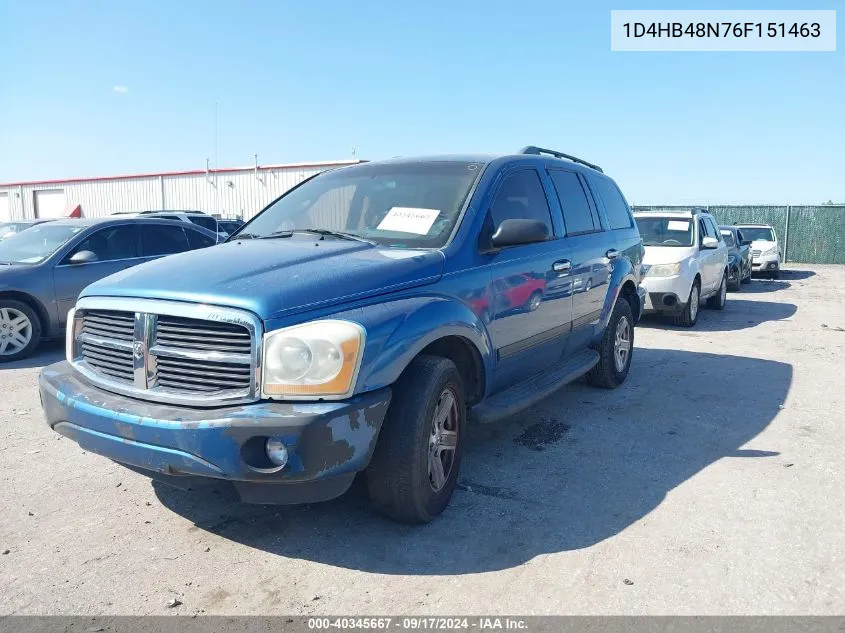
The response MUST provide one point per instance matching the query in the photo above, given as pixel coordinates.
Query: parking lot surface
(710, 483)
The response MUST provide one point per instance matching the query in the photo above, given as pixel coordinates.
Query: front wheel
(615, 349)
(415, 465)
(737, 282)
(689, 316)
(20, 330)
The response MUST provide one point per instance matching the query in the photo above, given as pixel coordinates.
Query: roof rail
(531, 149)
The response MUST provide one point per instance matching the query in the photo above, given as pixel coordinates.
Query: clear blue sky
(101, 87)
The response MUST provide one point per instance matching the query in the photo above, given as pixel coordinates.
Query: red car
(521, 291)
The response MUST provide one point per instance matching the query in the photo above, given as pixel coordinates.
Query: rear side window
(614, 203)
(161, 239)
(204, 222)
(577, 215)
(199, 240)
(521, 196)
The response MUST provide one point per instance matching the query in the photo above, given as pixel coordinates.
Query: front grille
(105, 341)
(168, 357)
(195, 374)
(755, 253)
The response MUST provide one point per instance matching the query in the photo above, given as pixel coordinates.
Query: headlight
(664, 270)
(319, 359)
(772, 250)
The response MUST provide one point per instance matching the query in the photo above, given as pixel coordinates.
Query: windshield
(657, 231)
(402, 205)
(728, 236)
(7, 229)
(758, 233)
(36, 244)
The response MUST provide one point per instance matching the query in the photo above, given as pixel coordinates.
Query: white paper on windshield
(678, 225)
(409, 220)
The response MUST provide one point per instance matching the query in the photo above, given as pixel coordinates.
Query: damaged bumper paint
(327, 442)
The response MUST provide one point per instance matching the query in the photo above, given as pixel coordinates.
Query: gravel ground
(710, 483)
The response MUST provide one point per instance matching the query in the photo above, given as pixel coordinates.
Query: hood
(275, 277)
(762, 245)
(666, 254)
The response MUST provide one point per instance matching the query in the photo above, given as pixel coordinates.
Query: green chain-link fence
(807, 234)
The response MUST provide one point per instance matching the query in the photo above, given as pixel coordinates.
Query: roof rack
(531, 149)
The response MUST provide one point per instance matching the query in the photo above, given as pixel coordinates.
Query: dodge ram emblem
(138, 349)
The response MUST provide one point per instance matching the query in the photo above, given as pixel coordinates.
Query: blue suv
(357, 325)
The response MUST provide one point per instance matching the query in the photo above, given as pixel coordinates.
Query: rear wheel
(615, 349)
(717, 301)
(20, 330)
(415, 465)
(689, 316)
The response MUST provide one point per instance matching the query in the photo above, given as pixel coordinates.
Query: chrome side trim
(146, 313)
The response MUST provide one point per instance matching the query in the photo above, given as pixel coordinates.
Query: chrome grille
(164, 351)
(755, 253)
(202, 335)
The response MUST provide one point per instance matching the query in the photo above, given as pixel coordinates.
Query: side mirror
(83, 257)
(709, 243)
(522, 231)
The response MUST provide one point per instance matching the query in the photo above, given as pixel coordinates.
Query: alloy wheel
(15, 331)
(443, 442)
(622, 344)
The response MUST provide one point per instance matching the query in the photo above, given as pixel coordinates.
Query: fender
(623, 272)
(397, 331)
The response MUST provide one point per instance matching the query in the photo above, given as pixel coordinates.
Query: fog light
(276, 452)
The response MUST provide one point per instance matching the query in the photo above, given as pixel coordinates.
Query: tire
(611, 370)
(400, 477)
(737, 285)
(17, 320)
(747, 278)
(718, 301)
(534, 301)
(689, 317)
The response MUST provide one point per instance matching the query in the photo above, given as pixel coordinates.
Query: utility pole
(216, 163)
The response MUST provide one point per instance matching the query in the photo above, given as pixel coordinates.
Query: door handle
(562, 266)
(612, 253)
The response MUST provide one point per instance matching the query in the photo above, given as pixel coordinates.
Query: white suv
(765, 250)
(686, 261)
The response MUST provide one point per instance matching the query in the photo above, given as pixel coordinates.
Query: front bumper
(666, 294)
(763, 263)
(327, 442)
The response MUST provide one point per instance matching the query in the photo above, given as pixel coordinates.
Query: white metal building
(226, 192)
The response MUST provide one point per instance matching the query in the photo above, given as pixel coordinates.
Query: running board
(533, 389)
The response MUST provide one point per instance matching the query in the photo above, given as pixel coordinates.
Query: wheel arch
(400, 331)
(34, 304)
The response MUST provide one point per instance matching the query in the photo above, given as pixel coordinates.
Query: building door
(50, 203)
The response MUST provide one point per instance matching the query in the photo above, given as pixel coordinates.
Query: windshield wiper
(340, 234)
(290, 232)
